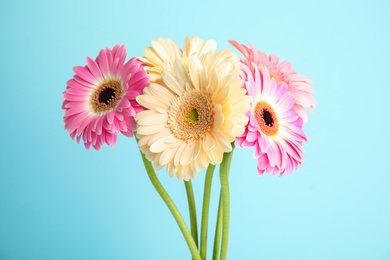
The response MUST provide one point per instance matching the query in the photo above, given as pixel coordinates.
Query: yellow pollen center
(266, 118)
(191, 116)
(106, 97)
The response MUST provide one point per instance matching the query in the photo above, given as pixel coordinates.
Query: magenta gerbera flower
(100, 98)
(297, 84)
(274, 127)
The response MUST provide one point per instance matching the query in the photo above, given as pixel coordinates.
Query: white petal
(172, 83)
(162, 144)
(188, 154)
(218, 115)
(167, 155)
(161, 92)
(150, 130)
(197, 73)
(179, 153)
(151, 102)
(153, 119)
(181, 73)
(208, 142)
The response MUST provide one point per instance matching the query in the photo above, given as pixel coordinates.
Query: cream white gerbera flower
(194, 114)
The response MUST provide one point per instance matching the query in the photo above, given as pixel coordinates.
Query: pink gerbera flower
(297, 84)
(274, 127)
(100, 98)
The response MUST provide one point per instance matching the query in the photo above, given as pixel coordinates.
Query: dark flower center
(266, 118)
(107, 96)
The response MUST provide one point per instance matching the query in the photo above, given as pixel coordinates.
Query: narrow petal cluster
(274, 128)
(193, 111)
(163, 53)
(160, 56)
(298, 85)
(100, 100)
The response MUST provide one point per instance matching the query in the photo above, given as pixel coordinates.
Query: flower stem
(172, 207)
(205, 210)
(224, 174)
(192, 210)
(218, 230)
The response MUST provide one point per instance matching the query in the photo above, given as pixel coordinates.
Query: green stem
(218, 230)
(224, 174)
(172, 207)
(205, 210)
(192, 210)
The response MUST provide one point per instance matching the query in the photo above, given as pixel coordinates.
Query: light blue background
(60, 201)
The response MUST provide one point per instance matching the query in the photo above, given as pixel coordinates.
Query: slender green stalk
(218, 229)
(224, 174)
(205, 210)
(192, 210)
(172, 207)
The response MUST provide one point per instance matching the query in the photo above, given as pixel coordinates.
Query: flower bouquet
(188, 109)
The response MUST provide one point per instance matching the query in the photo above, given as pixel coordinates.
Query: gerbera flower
(192, 117)
(274, 127)
(100, 98)
(298, 85)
